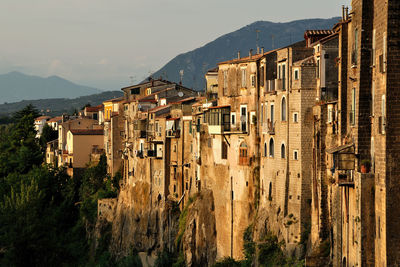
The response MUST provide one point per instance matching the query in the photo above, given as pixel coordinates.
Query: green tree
(48, 134)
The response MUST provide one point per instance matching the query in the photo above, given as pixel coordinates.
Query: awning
(339, 148)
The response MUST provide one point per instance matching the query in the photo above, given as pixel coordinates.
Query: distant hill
(272, 35)
(16, 86)
(58, 106)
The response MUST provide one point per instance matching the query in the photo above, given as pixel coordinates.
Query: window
(295, 154)
(283, 151)
(243, 157)
(244, 83)
(224, 150)
(384, 53)
(253, 80)
(271, 147)
(295, 117)
(353, 107)
(243, 118)
(135, 91)
(271, 114)
(262, 76)
(262, 113)
(383, 118)
(190, 126)
(330, 113)
(279, 71)
(283, 109)
(225, 82)
(148, 91)
(265, 150)
(233, 118)
(283, 76)
(373, 56)
(317, 71)
(296, 74)
(373, 98)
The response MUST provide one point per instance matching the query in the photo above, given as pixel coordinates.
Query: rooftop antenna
(181, 75)
(257, 39)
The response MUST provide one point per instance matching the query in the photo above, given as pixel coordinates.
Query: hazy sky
(102, 43)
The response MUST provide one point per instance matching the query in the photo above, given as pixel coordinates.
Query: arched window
(283, 151)
(283, 109)
(243, 158)
(265, 150)
(271, 147)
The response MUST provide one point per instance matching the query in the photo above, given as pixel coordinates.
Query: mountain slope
(272, 35)
(58, 106)
(16, 86)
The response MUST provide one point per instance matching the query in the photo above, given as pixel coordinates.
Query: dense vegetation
(45, 215)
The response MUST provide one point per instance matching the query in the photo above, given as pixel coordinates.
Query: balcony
(329, 94)
(270, 86)
(173, 133)
(344, 180)
(271, 127)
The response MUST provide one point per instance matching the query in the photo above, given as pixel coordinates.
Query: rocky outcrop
(199, 238)
(141, 225)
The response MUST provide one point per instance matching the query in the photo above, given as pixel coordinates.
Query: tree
(48, 134)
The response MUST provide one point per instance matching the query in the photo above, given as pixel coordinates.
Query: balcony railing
(271, 127)
(345, 180)
(281, 84)
(173, 133)
(270, 86)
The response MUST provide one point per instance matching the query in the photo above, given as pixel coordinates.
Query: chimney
(346, 13)
(258, 50)
(250, 53)
(262, 50)
(238, 54)
(343, 13)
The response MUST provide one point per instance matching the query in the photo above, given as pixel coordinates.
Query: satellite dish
(180, 94)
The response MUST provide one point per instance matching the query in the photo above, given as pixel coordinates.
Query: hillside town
(301, 140)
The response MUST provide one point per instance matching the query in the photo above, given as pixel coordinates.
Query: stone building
(114, 133)
(229, 152)
(359, 217)
(63, 153)
(286, 98)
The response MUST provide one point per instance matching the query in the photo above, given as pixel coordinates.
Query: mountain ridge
(16, 86)
(272, 35)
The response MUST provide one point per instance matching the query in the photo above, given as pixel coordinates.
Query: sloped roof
(87, 131)
(42, 118)
(94, 109)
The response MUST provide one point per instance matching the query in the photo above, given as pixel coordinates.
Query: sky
(110, 44)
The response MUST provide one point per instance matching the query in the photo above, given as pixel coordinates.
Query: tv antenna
(257, 39)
